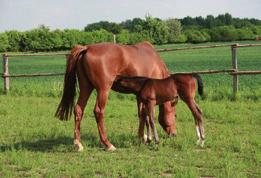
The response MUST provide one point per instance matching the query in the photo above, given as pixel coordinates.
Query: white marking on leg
(78, 146)
(198, 132)
(111, 148)
(145, 137)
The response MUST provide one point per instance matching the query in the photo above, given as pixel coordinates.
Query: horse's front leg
(102, 96)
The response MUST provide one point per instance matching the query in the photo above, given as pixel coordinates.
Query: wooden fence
(234, 71)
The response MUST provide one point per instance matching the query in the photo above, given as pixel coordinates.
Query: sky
(24, 15)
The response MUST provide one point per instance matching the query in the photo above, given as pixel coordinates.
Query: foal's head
(130, 84)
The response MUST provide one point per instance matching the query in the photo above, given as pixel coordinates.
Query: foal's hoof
(200, 143)
(78, 146)
(111, 148)
(173, 135)
(145, 137)
(157, 141)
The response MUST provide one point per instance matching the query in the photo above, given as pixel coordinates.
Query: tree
(174, 30)
(188, 21)
(4, 43)
(224, 33)
(108, 26)
(196, 36)
(210, 21)
(14, 38)
(134, 25)
(157, 30)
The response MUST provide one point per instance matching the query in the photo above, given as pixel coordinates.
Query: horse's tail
(65, 108)
(200, 84)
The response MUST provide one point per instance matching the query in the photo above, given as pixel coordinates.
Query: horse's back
(104, 61)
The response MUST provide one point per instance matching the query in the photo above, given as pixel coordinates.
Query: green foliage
(245, 34)
(174, 30)
(71, 37)
(157, 30)
(105, 25)
(196, 30)
(196, 36)
(4, 43)
(39, 40)
(123, 37)
(14, 39)
(181, 39)
(134, 25)
(99, 36)
(224, 33)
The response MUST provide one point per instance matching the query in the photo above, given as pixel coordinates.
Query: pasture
(35, 144)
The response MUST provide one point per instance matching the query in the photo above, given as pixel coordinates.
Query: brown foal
(152, 92)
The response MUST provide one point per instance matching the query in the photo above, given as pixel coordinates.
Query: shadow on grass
(65, 143)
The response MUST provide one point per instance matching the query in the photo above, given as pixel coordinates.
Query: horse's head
(167, 118)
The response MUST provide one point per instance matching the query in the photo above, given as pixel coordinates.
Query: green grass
(35, 144)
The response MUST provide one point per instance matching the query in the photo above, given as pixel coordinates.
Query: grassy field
(35, 144)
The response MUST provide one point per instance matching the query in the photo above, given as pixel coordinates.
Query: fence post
(114, 38)
(6, 74)
(234, 66)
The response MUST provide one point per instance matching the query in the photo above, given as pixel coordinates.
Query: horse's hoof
(111, 148)
(78, 146)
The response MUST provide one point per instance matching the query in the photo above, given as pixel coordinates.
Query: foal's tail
(65, 108)
(200, 84)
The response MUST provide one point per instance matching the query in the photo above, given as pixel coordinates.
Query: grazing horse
(96, 67)
(152, 92)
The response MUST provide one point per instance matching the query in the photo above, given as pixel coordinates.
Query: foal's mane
(130, 78)
(140, 81)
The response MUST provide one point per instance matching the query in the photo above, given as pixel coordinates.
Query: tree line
(157, 31)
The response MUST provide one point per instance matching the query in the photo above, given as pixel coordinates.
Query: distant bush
(123, 37)
(99, 36)
(195, 30)
(181, 39)
(14, 39)
(224, 33)
(196, 36)
(245, 34)
(4, 43)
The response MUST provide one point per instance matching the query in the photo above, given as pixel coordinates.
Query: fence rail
(234, 71)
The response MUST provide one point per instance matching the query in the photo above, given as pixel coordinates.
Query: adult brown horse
(96, 67)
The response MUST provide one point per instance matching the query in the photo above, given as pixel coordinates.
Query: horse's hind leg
(198, 120)
(85, 92)
(102, 96)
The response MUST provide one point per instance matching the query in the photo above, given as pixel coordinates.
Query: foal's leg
(142, 116)
(151, 107)
(102, 96)
(148, 126)
(198, 120)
